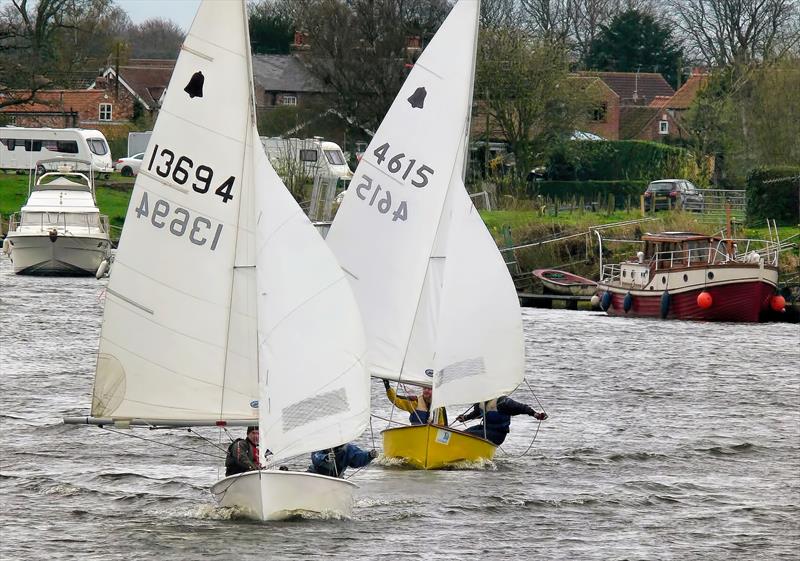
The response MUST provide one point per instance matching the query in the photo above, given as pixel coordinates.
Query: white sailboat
(432, 287)
(225, 307)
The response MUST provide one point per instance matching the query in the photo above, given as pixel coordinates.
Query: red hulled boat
(682, 275)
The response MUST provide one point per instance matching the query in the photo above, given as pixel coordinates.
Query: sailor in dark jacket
(334, 461)
(496, 415)
(243, 454)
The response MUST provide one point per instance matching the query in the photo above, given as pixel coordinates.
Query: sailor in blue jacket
(496, 415)
(334, 461)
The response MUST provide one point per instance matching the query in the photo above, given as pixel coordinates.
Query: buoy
(704, 300)
(595, 301)
(7, 246)
(101, 270)
(665, 298)
(627, 303)
(53, 235)
(605, 301)
(778, 303)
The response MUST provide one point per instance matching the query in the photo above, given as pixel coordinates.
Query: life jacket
(493, 419)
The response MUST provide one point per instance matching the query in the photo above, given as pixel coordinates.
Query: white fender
(7, 246)
(102, 269)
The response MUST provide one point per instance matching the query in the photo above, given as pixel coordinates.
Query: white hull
(278, 495)
(68, 255)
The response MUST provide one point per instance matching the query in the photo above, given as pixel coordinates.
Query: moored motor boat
(683, 275)
(60, 230)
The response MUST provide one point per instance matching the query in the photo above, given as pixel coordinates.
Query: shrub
(623, 160)
(589, 191)
(773, 192)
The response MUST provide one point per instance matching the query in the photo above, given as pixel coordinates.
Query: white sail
(311, 341)
(178, 336)
(385, 233)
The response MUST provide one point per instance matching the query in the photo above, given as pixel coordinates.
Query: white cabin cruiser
(60, 230)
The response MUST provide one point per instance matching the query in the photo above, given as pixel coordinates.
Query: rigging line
(162, 443)
(371, 432)
(529, 445)
(211, 442)
(389, 420)
(534, 396)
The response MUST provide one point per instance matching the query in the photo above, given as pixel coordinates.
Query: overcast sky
(180, 11)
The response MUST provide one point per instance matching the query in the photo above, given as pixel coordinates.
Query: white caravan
(22, 148)
(298, 159)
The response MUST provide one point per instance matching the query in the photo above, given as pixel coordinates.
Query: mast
(472, 93)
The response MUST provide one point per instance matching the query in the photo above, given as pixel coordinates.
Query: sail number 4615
(396, 164)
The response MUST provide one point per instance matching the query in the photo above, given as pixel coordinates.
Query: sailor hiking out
(496, 416)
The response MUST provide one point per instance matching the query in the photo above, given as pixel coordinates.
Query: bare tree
(155, 38)
(738, 32)
(550, 19)
(361, 48)
(51, 42)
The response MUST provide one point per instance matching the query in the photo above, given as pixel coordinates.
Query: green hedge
(589, 191)
(622, 160)
(779, 199)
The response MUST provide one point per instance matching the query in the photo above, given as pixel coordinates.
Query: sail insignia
(417, 99)
(195, 86)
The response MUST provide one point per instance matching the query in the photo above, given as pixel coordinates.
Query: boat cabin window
(52, 219)
(334, 157)
(697, 252)
(98, 146)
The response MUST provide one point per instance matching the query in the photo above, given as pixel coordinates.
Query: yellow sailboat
(435, 447)
(438, 303)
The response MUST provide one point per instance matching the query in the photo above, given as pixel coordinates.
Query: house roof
(49, 101)
(145, 78)
(640, 87)
(284, 73)
(685, 95)
(634, 118)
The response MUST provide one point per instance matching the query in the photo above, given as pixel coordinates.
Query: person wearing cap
(243, 454)
(496, 416)
(334, 461)
(418, 406)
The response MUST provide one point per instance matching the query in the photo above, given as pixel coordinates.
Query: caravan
(314, 159)
(21, 148)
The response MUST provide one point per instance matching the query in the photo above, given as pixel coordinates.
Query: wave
(743, 448)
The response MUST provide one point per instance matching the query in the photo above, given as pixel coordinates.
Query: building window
(599, 113)
(105, 111)
(663, 127)
(289, 100)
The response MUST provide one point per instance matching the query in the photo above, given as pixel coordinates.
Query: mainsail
(224, 303)
(432, 287)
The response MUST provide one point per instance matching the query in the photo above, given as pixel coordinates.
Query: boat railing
(726, 251)
(610, 273)
(93, 223)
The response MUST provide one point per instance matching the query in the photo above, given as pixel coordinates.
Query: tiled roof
(685, 95)
(632, 87)
(284, 73)
(56, 100)
(148, 78)
(632, 119)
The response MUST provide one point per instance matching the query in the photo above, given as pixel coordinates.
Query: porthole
(685, 278)
(710, 275)
(663, 280)
(624, 273)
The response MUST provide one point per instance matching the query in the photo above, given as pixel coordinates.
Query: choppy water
(666, 440)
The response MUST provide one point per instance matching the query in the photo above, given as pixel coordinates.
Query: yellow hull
(434, 447)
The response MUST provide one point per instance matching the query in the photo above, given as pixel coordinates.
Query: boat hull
(434, 447)
(279, 495)
(561, 282)
(743, 301)
(37, 254)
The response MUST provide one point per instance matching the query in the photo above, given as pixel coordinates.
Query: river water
(666, 440)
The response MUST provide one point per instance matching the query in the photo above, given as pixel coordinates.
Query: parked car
(673, 193)
(129, 166)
